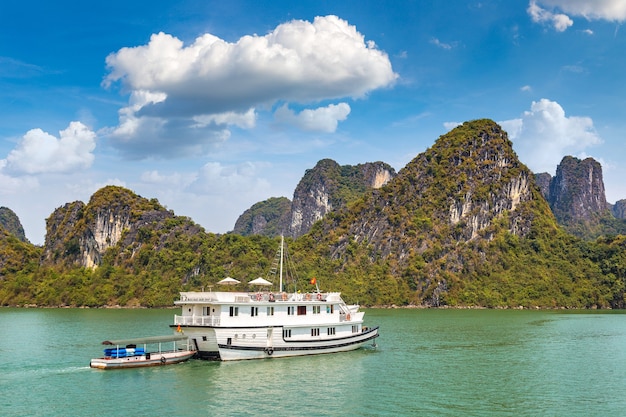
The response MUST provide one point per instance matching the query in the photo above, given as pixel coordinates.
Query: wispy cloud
(14, 68)
(576, 69)
(443, 45)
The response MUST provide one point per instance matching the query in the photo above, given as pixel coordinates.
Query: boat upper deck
(210, 297)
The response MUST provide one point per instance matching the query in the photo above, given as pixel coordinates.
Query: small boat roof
(144, 340)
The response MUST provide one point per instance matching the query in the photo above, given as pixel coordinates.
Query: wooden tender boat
(145, 351)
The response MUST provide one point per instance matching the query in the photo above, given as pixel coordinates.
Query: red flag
(313, 281)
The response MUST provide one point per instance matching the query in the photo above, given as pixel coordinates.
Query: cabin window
(315, 331)
(330, 309)
(301, 310)
(254, 311)
(355, 329)
(234, 311)
(206, 311)
(316, 309)
(330, 331)
(270, 311)
(290, 310)
(286, 333)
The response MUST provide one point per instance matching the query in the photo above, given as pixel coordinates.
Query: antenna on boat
(282, 242)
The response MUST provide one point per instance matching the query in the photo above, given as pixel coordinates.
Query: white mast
(282, 241)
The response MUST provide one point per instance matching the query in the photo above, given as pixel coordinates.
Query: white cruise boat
(264, 324)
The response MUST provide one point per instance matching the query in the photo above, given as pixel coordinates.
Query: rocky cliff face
(619, 209)
(105, 232)
(543, 182)
(329, 186)
(577, 190)
(323, 189)
(60, 244)
(80, 234)
(577, 198)
(466, 187)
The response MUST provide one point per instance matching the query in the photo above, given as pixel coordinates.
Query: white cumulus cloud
(39, 152)
(322, 119)
(611, 10)
(547, 11)
(540, 15)
(197, 91)
(544, 135)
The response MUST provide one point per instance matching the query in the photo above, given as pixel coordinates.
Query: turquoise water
(428, 363)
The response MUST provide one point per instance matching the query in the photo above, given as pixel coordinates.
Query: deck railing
(197, 320)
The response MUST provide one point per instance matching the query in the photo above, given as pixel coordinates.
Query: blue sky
(212, 106)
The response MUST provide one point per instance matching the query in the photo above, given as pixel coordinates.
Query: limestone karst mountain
(455, 192)
(463, 215)
(11, 223)
(80, 234)
(577, 198)
(271, 217)
(325, 188)
(463, 224)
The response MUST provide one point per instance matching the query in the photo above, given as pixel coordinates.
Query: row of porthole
(243, 336)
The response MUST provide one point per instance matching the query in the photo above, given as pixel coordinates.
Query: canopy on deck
(260, 281)
(146, 340)
(228, 281)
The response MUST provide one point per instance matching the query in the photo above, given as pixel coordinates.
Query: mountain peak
(463, 192)
(12, 224)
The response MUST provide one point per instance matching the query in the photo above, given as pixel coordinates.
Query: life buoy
(163, 360)
(269, 351)
(348, 316)
(307, 296)
(258, 297)
(319, 296)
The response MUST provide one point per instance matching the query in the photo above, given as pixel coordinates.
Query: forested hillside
(463, 224)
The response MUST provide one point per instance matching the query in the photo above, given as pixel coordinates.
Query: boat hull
(153, 359)
(274, 348)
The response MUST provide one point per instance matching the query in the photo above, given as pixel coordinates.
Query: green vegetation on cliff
(11, 223)
(268, 218)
